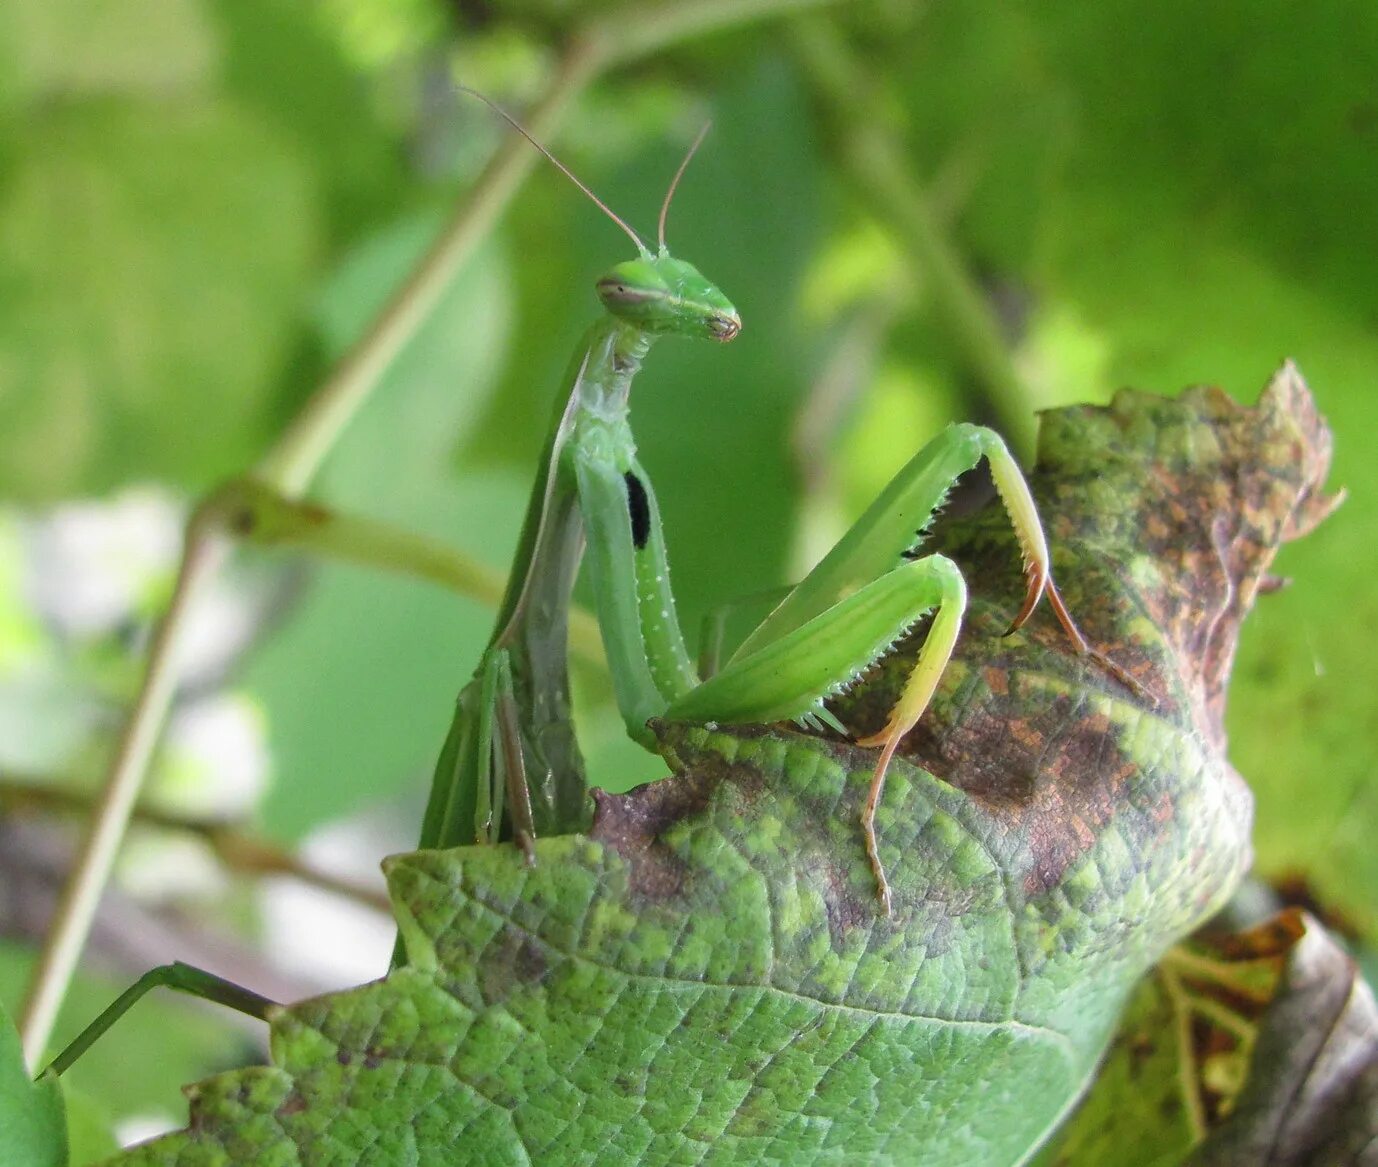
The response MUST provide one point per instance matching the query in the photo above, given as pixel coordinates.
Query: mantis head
(658, 293)
(666, 295)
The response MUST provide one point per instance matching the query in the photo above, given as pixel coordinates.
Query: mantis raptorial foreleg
(862, 597)
(630, 576)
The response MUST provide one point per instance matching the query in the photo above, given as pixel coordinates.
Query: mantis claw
(1039, 579)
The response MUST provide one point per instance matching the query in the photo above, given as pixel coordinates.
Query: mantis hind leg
(185, 978)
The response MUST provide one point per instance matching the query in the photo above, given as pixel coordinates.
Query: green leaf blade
(707, 977)
(33, 1123)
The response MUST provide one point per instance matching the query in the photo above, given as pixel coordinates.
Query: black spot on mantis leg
(639, 508)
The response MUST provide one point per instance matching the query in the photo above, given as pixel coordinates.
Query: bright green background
(202, 201)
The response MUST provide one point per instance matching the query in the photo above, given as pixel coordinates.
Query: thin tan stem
(876, 160)
(205, 551)
(257, 513)
(242, 853)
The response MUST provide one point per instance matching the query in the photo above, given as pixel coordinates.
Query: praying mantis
(510, 766)
(511, 735)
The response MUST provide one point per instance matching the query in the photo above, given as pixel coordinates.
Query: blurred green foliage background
(204, 202)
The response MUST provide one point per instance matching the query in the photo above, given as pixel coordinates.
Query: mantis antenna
(674, 182)
(566, 171)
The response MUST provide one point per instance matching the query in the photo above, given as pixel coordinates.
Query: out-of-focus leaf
(279, 63)
(33, 1127)
(151, 256)
(707, 974)
(74, 48)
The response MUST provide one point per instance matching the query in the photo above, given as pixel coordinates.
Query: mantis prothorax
(511, 733)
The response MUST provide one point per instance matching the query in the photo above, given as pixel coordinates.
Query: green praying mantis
(592, 498)
(510, 766)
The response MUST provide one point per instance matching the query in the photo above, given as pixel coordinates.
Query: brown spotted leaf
(1258, 1048)
(706, 976)
(1311, 1093)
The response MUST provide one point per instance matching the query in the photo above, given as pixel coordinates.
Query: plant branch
(239, 851)
(257, 513)
(877, 163)
(205, 551)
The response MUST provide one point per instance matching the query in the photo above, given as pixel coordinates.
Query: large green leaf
(707, 976)
(151, 256)
(280, 62)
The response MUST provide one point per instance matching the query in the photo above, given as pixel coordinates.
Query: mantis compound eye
(616, 293)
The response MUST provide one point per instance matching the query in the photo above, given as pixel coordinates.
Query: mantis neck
(613, 352)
